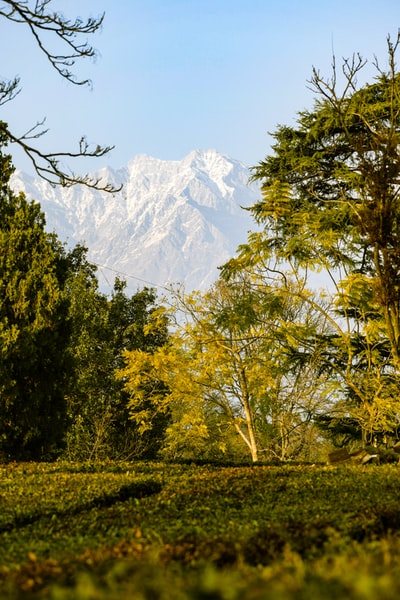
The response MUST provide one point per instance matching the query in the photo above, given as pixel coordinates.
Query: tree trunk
(252, 443)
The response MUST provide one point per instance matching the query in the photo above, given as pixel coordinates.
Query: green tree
(340, 170)
(33, 328)
(330, 202)
(227, 378)
(131, 326)
(361, 367)
(88, 312)
(102, 329)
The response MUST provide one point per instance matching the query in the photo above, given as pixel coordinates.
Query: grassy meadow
(161, 531)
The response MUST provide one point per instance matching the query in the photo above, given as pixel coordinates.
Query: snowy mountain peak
(175, 221)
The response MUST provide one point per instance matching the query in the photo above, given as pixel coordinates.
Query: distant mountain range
(173, 221)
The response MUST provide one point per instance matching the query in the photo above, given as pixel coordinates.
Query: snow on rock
(173, 222)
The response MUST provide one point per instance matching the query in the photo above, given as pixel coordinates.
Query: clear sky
(178, 75)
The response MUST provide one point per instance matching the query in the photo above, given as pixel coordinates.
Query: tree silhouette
(63, 43)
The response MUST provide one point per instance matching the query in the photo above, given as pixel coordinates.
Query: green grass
(157, 531)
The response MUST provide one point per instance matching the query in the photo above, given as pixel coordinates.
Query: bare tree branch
(51, 29)
(8, 90)
(47, 165)
(39, 20)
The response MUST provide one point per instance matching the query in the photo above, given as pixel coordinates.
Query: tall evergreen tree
(331, 189)
(33, 327)
(330, 201)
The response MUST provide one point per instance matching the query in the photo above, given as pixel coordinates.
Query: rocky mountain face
(173, 222)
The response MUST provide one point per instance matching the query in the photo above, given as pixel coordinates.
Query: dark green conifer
(33, 327)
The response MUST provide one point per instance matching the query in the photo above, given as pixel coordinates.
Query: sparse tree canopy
(227, 377)
(63, 42)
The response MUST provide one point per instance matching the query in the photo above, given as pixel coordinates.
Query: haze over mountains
(173, 222)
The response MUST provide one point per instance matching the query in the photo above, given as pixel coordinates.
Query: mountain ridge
(175, 221)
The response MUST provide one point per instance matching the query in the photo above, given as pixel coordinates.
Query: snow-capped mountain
(173, 221)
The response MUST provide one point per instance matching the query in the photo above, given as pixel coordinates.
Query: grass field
(158, 531)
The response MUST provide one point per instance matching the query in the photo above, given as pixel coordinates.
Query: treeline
(85, 376)
(61, 341)
(268, 363)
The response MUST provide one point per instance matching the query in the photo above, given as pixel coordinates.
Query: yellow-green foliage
(175, 531)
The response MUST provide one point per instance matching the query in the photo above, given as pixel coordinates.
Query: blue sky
(178, 75)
